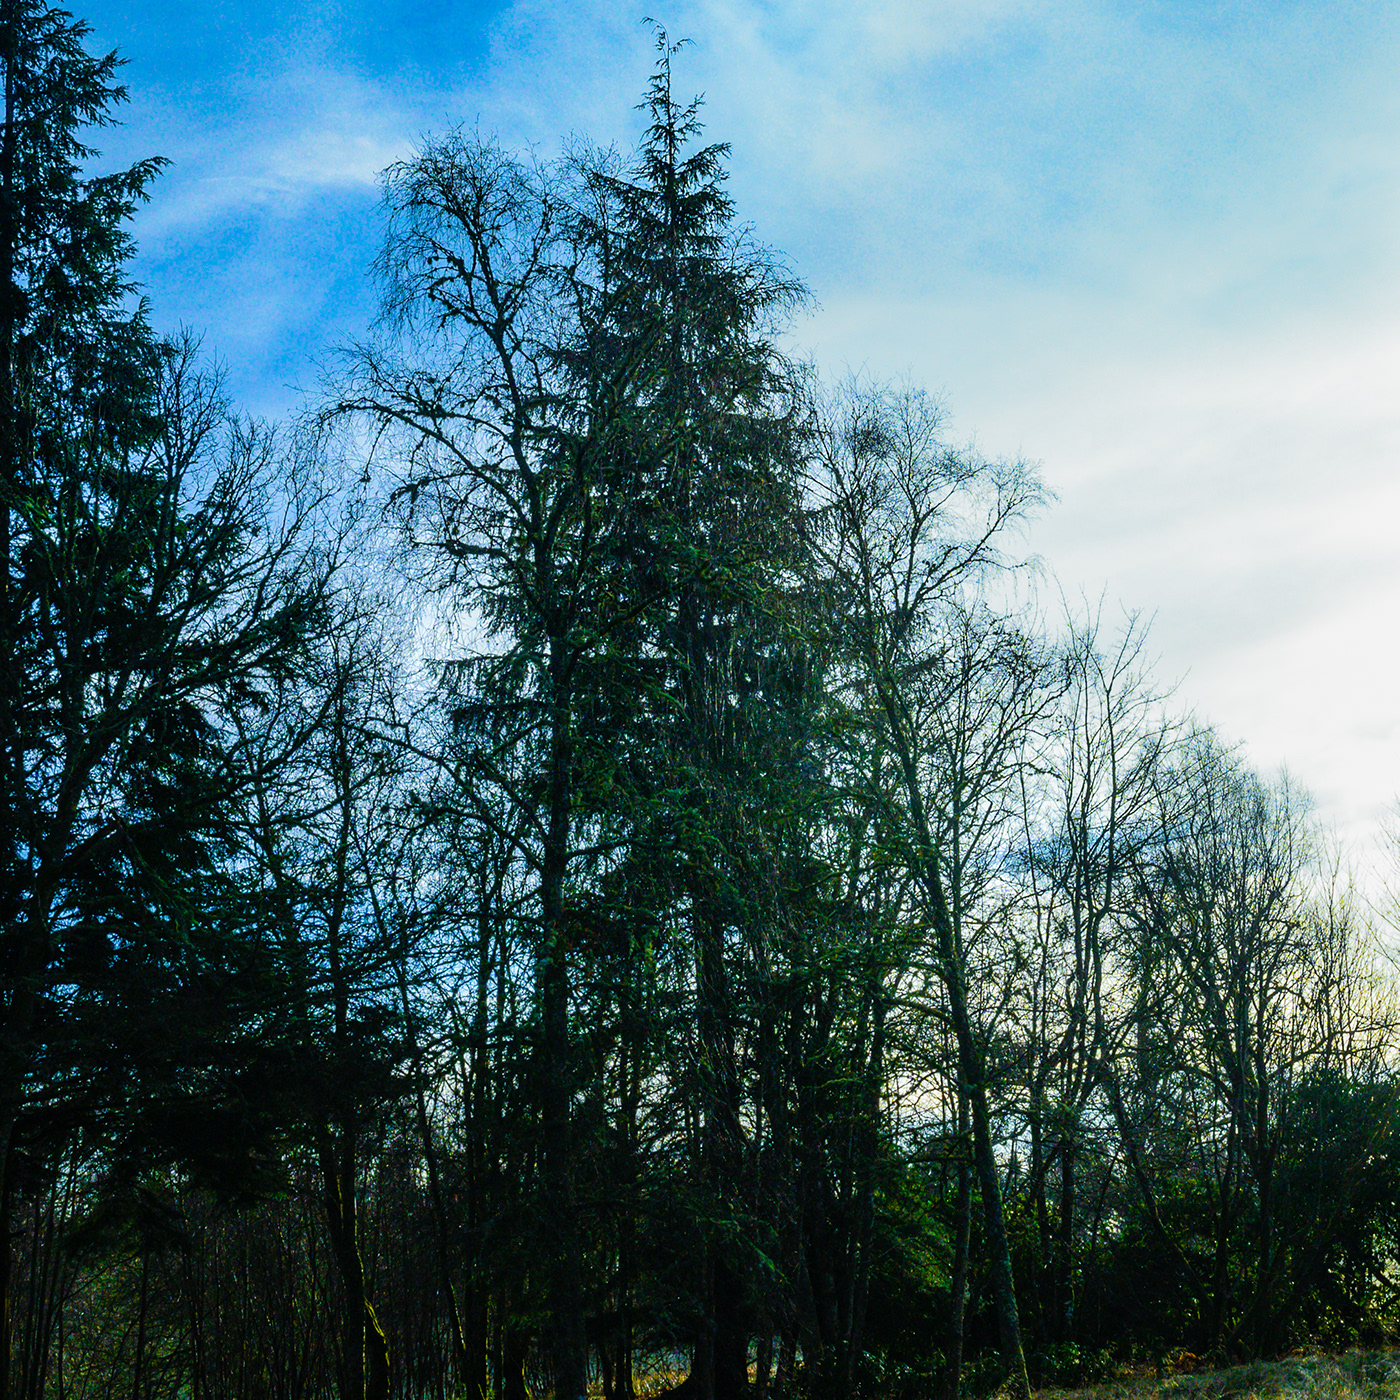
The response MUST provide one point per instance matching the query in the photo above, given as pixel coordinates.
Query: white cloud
(1164, 258)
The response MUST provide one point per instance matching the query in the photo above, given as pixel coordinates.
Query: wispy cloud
(1156, 245)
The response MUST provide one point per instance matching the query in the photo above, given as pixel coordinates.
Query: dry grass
(1358, 1375)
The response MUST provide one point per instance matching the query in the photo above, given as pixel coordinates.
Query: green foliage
(911, 1259)
(1067, 1365)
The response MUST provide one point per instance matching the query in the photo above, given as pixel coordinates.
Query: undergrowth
(1356, 1375)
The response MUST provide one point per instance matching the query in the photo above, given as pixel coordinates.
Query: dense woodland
(588, 864)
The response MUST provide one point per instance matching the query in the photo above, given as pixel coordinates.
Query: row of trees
(580, 868)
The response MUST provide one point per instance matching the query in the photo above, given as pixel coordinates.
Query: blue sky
(1153, 245)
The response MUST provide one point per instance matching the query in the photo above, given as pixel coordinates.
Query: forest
(592, 863)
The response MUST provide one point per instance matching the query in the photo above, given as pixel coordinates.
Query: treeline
(578, 868)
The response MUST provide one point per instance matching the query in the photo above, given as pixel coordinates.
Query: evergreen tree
(142, 593)
(688, 309)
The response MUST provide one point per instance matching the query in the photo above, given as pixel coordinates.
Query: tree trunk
(972, 1068)
(194, 1265)
(722, 1347)
(366, 1367)
(478, 1096)
(473, 1378)
(868, 1150)
(1040, 1207)
(763, 1365)
(1064, 1244)
(567, 1343)
(631, 1071)
(513, 1353)
(961, 1248)
(971, 1065)
(6, 1269)
(138, 1370)
(998, 1246)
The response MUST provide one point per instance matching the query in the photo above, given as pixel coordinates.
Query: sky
(1152, 246)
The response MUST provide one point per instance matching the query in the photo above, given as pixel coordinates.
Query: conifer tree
(144, 589)
(713, 424)
(77, 371)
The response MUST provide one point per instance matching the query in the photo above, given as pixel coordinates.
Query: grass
(1357, 1375)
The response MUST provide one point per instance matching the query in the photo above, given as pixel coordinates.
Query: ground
(1358, 1375)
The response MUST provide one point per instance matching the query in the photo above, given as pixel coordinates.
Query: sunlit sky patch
(1154, 246)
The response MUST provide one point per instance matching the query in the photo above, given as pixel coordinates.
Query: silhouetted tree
(145, 581)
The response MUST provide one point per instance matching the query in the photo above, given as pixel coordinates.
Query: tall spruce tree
(77, 372)
(143, 591)
(691, 306)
